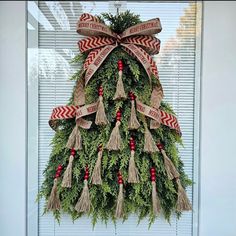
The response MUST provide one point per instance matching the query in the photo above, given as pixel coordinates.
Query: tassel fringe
(67, 178)
(84, 203)
(120, 202)
(54, 201)
(101, 118)
(75, 140)
(133, 121)
(183, 203)
(133, 175)
(169, 166)
(96, 175)
(149, 144)
(120, 92)
(156, 206)
(115, 141)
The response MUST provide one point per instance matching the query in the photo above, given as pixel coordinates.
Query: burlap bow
(137, 40)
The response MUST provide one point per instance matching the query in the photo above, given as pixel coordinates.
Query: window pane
(53, 43)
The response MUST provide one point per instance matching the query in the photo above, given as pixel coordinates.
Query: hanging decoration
(117, 127)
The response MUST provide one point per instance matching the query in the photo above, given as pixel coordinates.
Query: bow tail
(96, 60)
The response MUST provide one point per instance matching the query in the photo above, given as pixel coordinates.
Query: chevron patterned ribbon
(158, 115)
(137, 40)
(69, 112)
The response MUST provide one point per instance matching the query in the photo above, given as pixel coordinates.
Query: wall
(218, 159)
(218, 188)
(12, 118)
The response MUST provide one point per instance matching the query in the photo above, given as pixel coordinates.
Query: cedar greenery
(137, 196)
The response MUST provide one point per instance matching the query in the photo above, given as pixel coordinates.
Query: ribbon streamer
(159, 115)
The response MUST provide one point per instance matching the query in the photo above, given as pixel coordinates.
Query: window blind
(57, 44)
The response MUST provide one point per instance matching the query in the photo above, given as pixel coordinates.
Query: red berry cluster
(58, 173)
(86, 176)
(153, 174)
(118, 115)
(160, 146)
(100, 91)
(132, 144)
(72, 152)
(100, 148)
(120, 180)
(132, 96)
(120, 65)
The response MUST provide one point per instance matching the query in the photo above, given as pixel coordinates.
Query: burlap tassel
(67, 178)
(133, 175)
(115, 141)
(149, 144)
(53, 200)
(84, 202)
(133, 121)
(101, 118)
(156, 205)
(183, 203)
(120, 198)
(96, 175)
(133, 171)
(171, 171)
(120, 92)
(74, 140)
(79, 94)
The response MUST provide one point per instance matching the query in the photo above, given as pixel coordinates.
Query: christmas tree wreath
(115, 147)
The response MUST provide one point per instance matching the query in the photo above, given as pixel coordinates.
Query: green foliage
(137, 196)
(120, 22)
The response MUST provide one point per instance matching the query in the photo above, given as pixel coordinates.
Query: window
(52, 43)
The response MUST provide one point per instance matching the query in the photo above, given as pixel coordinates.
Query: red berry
(120, 181)
(153, 170)
(86, 176)
(132, 143)
(59, 167)
(153, 178)
(100, 148)
(160, 146)
(57, 175)
(120, 177)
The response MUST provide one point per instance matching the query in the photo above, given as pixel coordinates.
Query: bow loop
(89, 25)
(149, 27)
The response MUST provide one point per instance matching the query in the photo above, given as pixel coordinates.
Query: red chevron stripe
(63, 112)
(94, 42)
(88, 17)
(151, 43)
(91, 57)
